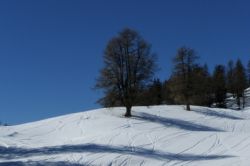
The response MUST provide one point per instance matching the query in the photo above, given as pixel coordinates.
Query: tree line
(128, 77)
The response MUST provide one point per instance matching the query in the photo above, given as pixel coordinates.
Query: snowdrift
(156, 135)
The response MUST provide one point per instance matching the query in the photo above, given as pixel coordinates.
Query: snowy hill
(159, 135)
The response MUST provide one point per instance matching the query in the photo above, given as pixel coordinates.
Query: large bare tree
(128, 66)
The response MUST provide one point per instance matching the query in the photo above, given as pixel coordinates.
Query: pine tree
(128, 67)
(230, 78)
(155, 92)
(248, 72)
(240, 82)
(152, 94)
(167, 92)
(202, 86)
(219, 86)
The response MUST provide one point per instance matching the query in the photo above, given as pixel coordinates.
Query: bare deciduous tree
(128, 66)
(182, 78)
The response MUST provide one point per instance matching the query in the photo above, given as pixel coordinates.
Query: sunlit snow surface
(156, 135)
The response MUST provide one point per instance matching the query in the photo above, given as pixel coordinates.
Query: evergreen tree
(230, 78)
(152, 94)
(219, 86)
(182, 80)
(155, 92)
(202, 86)
(208, 88)
(167, 93)
(248, 72)
(240, 81)
(128, 67)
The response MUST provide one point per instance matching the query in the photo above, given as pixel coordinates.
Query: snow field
(155, 135)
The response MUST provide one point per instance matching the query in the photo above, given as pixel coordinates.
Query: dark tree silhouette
(128, 67)
(202, 86)
(152, 94)
(230, 78)
(182, 78)
(248, 72)
(167, 95)
(240, 80)
(219, 86)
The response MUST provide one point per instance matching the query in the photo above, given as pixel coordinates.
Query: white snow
(156, 135)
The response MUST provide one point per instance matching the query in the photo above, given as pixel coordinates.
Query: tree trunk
(238, 102)
(128, 111)
(188, 107)
(243, 100)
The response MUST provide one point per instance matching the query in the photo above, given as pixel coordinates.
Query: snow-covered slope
(159, 135)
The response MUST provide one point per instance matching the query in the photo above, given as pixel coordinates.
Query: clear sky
(51, 50)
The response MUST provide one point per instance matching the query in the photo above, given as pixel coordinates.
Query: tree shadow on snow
(209, 112)
(173, 122)
(17, 153)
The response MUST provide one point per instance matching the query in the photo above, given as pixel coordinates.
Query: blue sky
(51, 50)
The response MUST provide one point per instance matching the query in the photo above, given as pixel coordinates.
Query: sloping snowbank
(155, 135)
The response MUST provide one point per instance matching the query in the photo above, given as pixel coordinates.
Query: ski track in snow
(156, 135)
